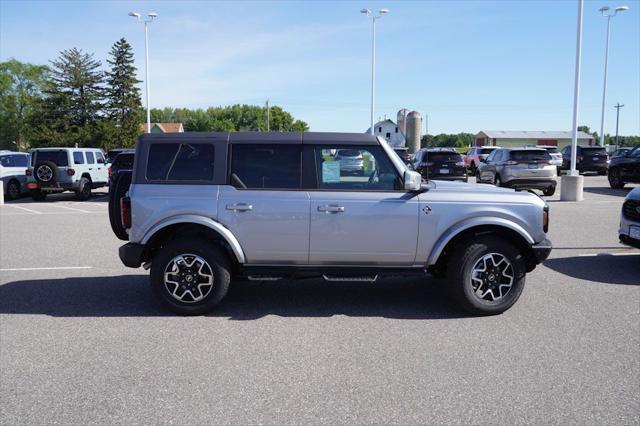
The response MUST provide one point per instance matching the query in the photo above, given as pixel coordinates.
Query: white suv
(12, 166)
(66, 169)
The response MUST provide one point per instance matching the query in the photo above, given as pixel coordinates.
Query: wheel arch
(469, 229)
(194, 225)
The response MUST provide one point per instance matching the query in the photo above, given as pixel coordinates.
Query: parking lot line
(24, 208)
(71, 208)
(635, 253)
(52, 268)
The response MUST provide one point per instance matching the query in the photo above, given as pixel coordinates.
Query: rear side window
(60, 158)
(266, 166)
(99, 157)
(78, 158)
(180, 162)
(124, 161)
(525, 156)
(90, 159)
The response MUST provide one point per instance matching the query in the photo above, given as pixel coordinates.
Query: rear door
(265, 206)
(101, 174)
(360, 220)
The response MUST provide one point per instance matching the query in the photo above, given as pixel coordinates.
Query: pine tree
(71, 109)
(123, 107)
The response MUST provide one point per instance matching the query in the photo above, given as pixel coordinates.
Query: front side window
(264, 166)
(99, 157)
(180, 162)
(494, 156)
(19, 160)
(90, 159)
(360, 168)
(78, 158)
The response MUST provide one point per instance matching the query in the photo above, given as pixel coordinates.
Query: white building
(390, 131)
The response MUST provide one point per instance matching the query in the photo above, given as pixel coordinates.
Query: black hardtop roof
(308, 138)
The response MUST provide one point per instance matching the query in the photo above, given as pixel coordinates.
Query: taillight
(28, 172)
(110, 172)
(125, 212)
(71, 172)
(545, 219)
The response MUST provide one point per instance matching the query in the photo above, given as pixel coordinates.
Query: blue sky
(469, 65)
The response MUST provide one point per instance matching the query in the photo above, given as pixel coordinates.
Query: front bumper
(542, 250)
(131, 254)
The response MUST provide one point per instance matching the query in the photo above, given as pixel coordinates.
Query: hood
(634, 194)
(484, 192)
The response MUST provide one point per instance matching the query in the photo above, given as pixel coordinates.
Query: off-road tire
(84, 191)
(217, 261)
(615, 180)
(118, 190)
(13, 190)
(549, 191)
(54, 170)
(461, 262)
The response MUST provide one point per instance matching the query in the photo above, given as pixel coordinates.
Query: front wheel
(486, 275)
(84, 192)
(190, 276)
(615, 179)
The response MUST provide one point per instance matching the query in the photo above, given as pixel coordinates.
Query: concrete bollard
(1, 192)
(571, 188)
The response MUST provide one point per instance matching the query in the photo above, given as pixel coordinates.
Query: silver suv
(66, 169)
(203, 209)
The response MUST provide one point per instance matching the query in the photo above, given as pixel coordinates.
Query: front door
(360, 215)
(264, 205)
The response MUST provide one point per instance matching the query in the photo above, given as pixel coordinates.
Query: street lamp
(605, 12)
(150, 17)
(373, 17)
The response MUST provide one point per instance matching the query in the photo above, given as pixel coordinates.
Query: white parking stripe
(53, 268)
(24, 208)
(70, 208)
(609, 254)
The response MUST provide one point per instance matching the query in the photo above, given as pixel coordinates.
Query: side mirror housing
(412, 181)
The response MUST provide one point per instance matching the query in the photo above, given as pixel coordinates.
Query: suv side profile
(55, 170)
(625, 169)
(588, 159)
(523, 168)
(204, 209)
(12, 166)
(476, 156)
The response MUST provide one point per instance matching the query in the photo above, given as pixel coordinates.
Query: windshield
(594, 151)
(525, 156)
(397, 162)
(552, 150)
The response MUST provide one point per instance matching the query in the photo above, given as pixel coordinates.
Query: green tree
(122, 107)
(21, 86)
(71, 108)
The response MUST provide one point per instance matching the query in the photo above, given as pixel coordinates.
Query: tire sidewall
(216, 259)
(460, 279)
(13, 184)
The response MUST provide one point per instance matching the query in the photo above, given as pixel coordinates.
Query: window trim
(230, 166)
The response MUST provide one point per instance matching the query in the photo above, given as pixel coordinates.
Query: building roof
(165, 127)
(535, 134)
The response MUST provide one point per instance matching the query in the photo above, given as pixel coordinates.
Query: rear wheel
(190, 276)
(38, 195)
(84, 192)
(549, 191)
(13, 190)
(486, 275)
(615, 179)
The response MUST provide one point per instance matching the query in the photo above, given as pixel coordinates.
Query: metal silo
(414, 131)
(402, 120)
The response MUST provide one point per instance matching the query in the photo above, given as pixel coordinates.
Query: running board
(262, 278)
(333, 278)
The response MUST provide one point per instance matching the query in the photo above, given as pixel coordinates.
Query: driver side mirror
(412, 181)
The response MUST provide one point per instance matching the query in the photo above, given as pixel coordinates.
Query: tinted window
(90, 159)
(551, 150)
(485, 151)
(371, 170)
(19, 160)
(173, 161)
(442, 157)
(60, 158)
(78, 158)
(593, 151)
(124, 161)
(531, 155)
(266, 166)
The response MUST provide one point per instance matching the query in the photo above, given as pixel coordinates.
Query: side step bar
(333, 278)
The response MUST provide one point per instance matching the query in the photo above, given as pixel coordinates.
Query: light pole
(374, 18)
(617, 107)
(605, 12)
(150, 17)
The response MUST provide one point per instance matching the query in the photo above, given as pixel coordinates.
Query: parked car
(629, 231)
(625, 169)
(556, 156)
(123, 162)
(474, 157)
(439, 163)
(113, 153)
(522, 168)
(206, 208)
(351, 161)
(403, 153)
(55, 170)
(12, 167)
(588, 159)
(620, 152)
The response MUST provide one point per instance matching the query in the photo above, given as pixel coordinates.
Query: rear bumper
(542, 250)
(530, 183)
(131, 254)
(598, 167)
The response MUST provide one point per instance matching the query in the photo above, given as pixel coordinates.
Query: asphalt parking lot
(82, 341)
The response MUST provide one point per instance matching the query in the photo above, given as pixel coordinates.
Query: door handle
(240, 207)
(331, 209)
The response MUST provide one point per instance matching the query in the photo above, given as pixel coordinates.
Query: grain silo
(402, 120)
(414, 131)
